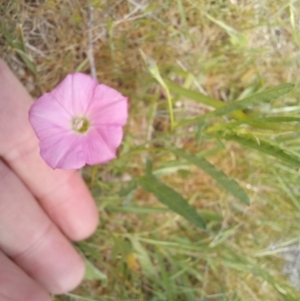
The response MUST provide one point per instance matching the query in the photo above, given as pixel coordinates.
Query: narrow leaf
(19, 46)
(172, 199)
(253, 100)
(92, 272)
(148, 166)
(273, 119)
(197, 96)
(142, 255)
(218, 175)
(136, 209)
(199, 131)
(201, 98)
(154, 71)
(263, 146)
(271, 123)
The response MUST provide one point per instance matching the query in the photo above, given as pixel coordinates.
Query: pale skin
(41, 210)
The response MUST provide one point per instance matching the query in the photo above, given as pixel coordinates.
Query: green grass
(199, 56)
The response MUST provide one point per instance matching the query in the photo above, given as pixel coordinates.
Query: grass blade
(154, 71)
(285, 187)
(18, 45)
(218, 175)
(253, 100)
(172, 199)
(92, 272)
(200, 98)
(182, 15)
(262, 146)
(197, 96)
(275, 119)
(270, 123)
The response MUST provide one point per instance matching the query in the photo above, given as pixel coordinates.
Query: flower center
(80, 124)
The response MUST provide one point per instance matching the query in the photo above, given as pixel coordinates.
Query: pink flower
(79, 122)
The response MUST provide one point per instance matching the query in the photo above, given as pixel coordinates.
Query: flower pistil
(80, 124)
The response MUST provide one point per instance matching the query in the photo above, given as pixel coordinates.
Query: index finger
(62, 194)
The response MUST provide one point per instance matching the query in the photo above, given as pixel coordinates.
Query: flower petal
(79, 96)
(48, 117)
(108, 107)
(75, 93)
(112, 135)
(63, 150)
(101, 143)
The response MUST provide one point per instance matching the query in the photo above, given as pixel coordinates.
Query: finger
(63, 194)
(12, 277)
(32, 241)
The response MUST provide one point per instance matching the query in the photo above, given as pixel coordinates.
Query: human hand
(41, 210)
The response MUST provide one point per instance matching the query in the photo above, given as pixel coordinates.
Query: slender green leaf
(210, 215)
(197, 96)
(143, 256)
(260, 122)
(92, 272)
(85, 249)
(30, 65)
(201, 98)
(154, 71)
(285, 187)
(234, 107)
(218, 175)
(18, 45)
(136, 209)
(182, 14)
(82, 65)
(148, 166)
(253, 100)
(199, 131)
(128, 189)
(223, 235)
(172, 199)
(271, 119)
(262, 145)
